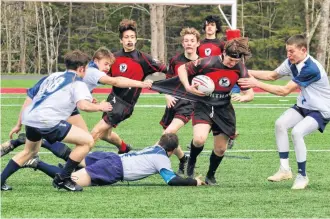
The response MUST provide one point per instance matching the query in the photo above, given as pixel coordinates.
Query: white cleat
(300, 182)
(281, 174)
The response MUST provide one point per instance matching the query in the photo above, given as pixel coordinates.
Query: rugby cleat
(281, 174)
(182, 166)
(300, 182)
(32, 163)
(190, 169)
(5, 187)
(211, 181)
(128, 149)
(66, 183)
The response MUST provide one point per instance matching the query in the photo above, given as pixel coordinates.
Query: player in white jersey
(57, 96)
(311, 113)
(106, 168)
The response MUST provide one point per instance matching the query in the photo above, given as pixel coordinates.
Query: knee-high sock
(214, 163)
(194, 152)
(50, 170)
(11, 168)
(59, 149)
(287, 120)
(303, 128)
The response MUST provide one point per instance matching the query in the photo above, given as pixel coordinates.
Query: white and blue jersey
(149, 161)
(313, 81)
(92, 76)
(53, 99)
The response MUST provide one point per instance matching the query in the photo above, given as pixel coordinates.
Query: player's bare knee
(199, 141)
(220, 150)
(90, 142)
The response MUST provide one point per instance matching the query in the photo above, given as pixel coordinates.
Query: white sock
(285, 164)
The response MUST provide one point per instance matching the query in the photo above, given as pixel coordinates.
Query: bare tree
(70, 26)
(154, 35)
(22, 62)
(161, 44)
(38, 68)
(324, 32)
(46, 36)
(51, 38)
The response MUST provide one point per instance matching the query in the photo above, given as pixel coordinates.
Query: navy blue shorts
(104, 168)
(314, 114)
(75, 112)
(56, 133)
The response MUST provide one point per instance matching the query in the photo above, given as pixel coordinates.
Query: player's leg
(299, 131)
(220, 146)
(113, 138)
(31, 148)
(286, 121)
(174, 127)
(10, 145)
(84, 142)
(81, 177)
(200, 134)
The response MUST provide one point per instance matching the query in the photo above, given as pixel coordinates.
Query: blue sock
(11, 168)
(58, 149)
(284, 155)
(302, 168)
(50, 170)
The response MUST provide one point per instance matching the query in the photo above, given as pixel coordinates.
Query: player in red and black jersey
(211, 45)
(178, 111)
(133, 64)
(217, 113)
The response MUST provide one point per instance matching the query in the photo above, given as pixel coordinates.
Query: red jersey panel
(210, 47)
(135, 65)
(224, 78)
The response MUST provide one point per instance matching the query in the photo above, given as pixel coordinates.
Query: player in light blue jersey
(106, 168)
(310, 113)
(57, 96)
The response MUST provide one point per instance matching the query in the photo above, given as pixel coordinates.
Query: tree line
(36, 35)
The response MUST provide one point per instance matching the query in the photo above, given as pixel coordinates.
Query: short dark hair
(126, 25)
(299, 40)
(169, 142)
(213, 19)
(75, 59)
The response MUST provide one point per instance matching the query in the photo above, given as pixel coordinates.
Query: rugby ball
(205, 84)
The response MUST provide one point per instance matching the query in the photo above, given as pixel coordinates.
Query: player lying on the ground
(311, 113)
(106, 168)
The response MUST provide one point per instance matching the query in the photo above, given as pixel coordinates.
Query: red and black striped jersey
(135, 65)
(224, 78)
(211, 47)
(174, 63)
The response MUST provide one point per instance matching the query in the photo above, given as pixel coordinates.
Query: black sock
(16, 143)
(214, 163)
(58, 149)
(11, 168)
(69, 168)
(50, 170)
(194, 152)
(183, 159)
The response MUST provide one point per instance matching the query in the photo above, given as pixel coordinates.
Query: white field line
(13, 96)
(228, 151)
(236, 106)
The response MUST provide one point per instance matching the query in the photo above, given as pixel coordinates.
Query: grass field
(243, 191)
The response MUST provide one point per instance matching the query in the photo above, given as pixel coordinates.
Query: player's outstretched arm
(18, 125)
(183, 75)
(87, 106)
(125, 82)
(244, 96)
(265, 75)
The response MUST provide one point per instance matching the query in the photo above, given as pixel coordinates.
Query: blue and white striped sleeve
(31, 92)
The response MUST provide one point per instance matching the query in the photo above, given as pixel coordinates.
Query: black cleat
(191, 169)
(211, 181)
(32, 163)
(5, 187)
(182, 166)
(21, 138)
(128, 149)
(231, 143)
(66, 183)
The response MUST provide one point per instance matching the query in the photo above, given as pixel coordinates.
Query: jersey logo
(208, 51)
(224, 82)
(122, 67)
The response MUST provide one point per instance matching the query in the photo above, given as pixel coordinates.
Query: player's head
(296, 48)
(76, 60)
(128, 34)
(212, 25)
(190, 40)
(169, 142)
(235, 50)
(103, 58)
